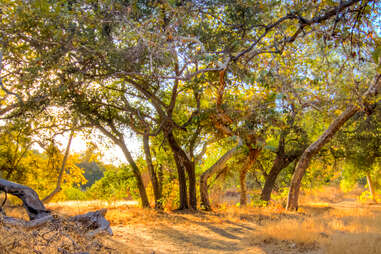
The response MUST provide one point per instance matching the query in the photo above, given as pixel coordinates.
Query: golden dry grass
(314, 229)
(320, 227)
(60, 235)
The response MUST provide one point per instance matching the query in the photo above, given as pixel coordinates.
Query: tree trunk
(253, 154)
(304, 161)
(278, 165)
(32, 203)
(138, 176)
(243, 192)
(180, 159)
(119, 140)
(160, 176)
(214, 169)
(371, 187)
(192, 185)
(155, 184)
(60, 176)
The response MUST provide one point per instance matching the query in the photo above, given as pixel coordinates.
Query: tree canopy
(267, 84)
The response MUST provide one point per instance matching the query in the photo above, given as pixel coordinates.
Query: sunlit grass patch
(353, 243)
(301, 231)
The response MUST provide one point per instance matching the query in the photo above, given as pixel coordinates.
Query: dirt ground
(194, 234)
(320, 226)
(317, 228)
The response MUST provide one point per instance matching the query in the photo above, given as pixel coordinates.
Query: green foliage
(21, 163)
(74, 193)
(117, 183)
(93, 171)
(204, 70)
(360, 145)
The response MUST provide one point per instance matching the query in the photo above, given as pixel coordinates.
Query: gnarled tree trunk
(253, 154)
(280, 162)
(184, 164)
(304, 161)
(214, 169)
(32, 203)
(276, 168)
(39, 215)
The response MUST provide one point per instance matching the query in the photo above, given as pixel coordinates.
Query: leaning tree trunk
(304, 161)
(119, 140)
(371, 187)
(155, 183)
(279, 164)
(138, 176)
(253, 154)
(215, 169)
(60, 176)
(183, 164)
(32, 203)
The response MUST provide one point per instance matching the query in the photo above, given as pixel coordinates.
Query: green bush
(117, 183)
(74, 193)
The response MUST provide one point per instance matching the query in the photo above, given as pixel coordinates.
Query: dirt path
(234, 230)
(198, 237)
(187, 233)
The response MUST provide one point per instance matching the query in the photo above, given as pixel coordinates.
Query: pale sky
(112, 154)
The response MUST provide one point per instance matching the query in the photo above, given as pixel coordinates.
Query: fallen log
(93, 222)
(32, 203)
(10, 221)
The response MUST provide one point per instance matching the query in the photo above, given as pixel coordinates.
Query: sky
(112, 154)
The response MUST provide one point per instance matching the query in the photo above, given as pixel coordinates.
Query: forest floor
(328, 222)
(320, 226)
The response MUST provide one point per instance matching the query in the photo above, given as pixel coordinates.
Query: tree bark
(160, 178)
(192, 185)
(10, 221)
(278, 165)
(371, 187)
(155, 184)
(304, 161)
(214, 169)
(95, 221)
(281, 161)
(39, 215)
(182, 162)
(32, 203)
(60, 176)
(138, 176)
(135, 169)
(253, 154)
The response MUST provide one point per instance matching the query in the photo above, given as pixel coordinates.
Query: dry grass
(320, 227)
(344, 226)
(358, 243)
(336, 231)
(306, 231)
(329, 194)
(58, 236)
